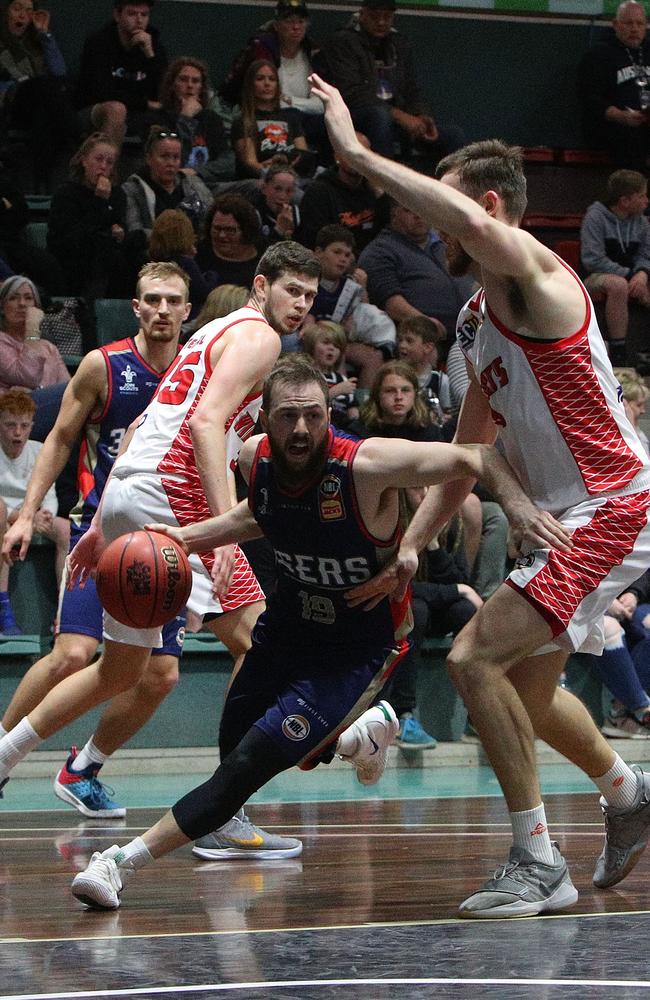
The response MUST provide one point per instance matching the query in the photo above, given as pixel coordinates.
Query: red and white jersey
(558, 407)
(162, 442)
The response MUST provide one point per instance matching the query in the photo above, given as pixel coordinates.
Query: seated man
(615, 251)
(408, 275)
(17, 458)
(372, 65)
(614, 84)
(120, 73)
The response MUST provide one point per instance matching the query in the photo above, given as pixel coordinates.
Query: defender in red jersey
(540, 376)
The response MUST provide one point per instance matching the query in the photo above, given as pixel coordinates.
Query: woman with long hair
(264, 130)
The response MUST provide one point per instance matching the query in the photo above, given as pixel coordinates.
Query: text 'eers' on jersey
(322, 549)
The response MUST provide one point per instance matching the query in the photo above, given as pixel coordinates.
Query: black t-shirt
(277, 132)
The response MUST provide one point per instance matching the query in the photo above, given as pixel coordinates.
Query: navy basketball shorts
(304, 697)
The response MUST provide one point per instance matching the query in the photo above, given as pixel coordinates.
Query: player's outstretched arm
(235, 525)
(501, 248)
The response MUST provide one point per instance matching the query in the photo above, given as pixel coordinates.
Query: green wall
(513, 78)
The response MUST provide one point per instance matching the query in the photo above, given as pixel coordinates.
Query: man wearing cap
(120, 72)
(372, 65)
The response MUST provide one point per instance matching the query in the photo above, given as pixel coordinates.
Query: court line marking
(368, 925)
(289, 983)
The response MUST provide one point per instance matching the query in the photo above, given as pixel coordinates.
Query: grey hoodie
(609, 245)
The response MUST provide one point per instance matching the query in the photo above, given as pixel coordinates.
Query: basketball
(143, 579)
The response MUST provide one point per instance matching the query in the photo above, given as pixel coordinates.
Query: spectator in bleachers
(417, 344)
(325, 343)
(87, 225)
(161, 184)
(341, 195)
(275, 203)
(284, 42)
(33, 83)
(408, 275)
(264, 130)
(16, 248)
(395, 407)
(120, 73)
(615, 253)
(26, 361)
(614, 86)
(372, 65)
(173, 239)
(231, 247)
(17, 458)
(185, 97)
(221, 302)
(635, 395)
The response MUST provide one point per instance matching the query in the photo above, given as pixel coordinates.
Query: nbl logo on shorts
(295, 727)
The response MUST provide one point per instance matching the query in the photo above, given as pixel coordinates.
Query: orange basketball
(143, 579)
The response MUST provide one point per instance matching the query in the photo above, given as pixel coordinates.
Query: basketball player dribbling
(175, 464)
(329, 506)
(540, 376)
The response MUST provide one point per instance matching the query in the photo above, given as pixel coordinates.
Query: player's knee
(161, 678)
(68, 659)
(467, 673)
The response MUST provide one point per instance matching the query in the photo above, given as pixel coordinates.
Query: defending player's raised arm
(83, 395)
(240, 365)
(499, 247)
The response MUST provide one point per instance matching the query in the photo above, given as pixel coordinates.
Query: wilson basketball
(143, 579)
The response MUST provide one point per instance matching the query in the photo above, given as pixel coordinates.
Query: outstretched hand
(337, 117)
(392, 581)
(532, 528)
(82, 561)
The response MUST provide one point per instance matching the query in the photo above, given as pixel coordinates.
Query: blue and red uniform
(131, 382)
(315, 663)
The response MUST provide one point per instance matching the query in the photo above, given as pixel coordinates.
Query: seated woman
(87, 225)
(26, 361)
(161, 184)
(264, 129)
(173, 239)
(32, 83)
(231, 248)
(185, 98)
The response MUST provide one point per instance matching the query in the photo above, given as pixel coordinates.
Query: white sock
(90, 754)
(3, 731)
(618, 786)
(134, 854)
(529, 830)
(16, 745)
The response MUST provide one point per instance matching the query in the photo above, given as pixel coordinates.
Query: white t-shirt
(14, 476)
(293, 76)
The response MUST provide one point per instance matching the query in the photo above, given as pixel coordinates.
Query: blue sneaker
(84, 790)
(412, 736)
(8, 624)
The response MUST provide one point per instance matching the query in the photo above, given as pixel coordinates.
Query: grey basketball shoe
(239, 838)
(523, 887)
(626, 835)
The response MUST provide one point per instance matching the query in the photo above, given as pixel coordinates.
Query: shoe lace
(108, 870)
(503, 871)
(99, 793)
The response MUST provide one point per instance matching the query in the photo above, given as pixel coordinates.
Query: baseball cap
(291, 8)
(379, 4)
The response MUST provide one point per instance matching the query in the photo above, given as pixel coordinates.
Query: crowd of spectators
(217, 176)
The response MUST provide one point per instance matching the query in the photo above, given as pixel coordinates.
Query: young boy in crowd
(17, 458)
(325, 343)
(417, 344)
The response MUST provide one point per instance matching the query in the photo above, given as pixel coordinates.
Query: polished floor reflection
(368, 910)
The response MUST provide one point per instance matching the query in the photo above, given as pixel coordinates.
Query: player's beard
(295, 476)
(459, 261)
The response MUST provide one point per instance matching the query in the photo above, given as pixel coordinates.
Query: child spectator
(615, 252)
(17, 459)
(325, 343)
(417, 340)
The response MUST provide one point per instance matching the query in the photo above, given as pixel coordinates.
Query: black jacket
(327, 200)
(109, 72)
(606, 78)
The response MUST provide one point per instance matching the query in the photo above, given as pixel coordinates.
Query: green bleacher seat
(114, 320)
(36, 234)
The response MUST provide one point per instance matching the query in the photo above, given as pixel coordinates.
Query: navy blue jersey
(322, 549)
(131, 384)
